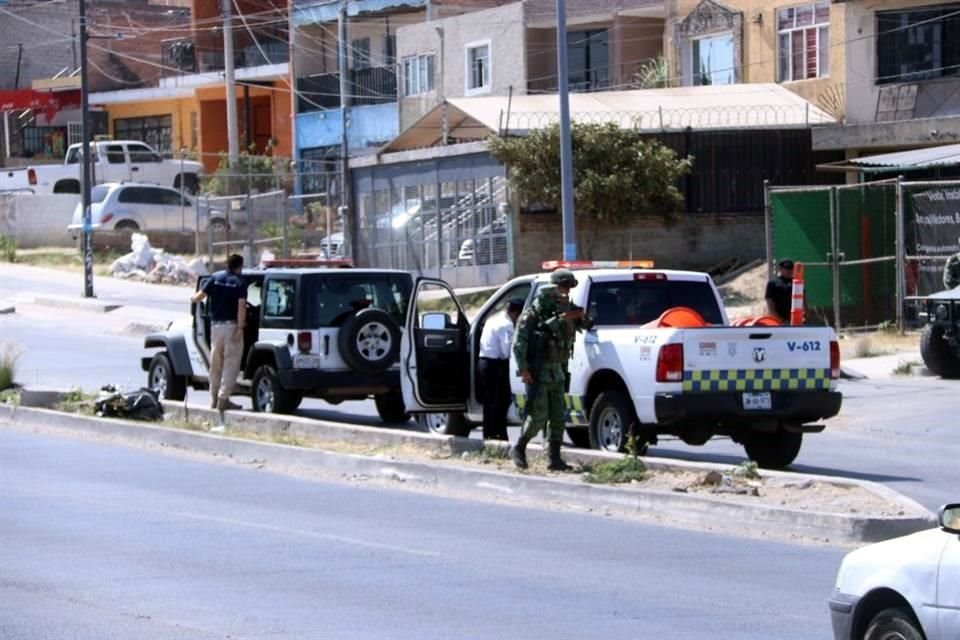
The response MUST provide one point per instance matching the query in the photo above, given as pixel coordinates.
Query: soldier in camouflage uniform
(951, 273)
(542, 346)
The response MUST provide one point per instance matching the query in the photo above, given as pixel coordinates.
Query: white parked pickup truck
(113, 161)
(763, 386)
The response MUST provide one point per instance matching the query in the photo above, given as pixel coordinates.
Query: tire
(611, 419)
(579, 436)
(445, 424)
(127, 225)
(773, 450)
(893, 624)
(369, 341)
(267, 396)
(162, 380)
(67, 186)
(390, 407)
(218, 226)
(937, 353)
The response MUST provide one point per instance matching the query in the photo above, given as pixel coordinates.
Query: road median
(465, 468)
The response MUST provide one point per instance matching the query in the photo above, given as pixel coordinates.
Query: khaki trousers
(226, 344)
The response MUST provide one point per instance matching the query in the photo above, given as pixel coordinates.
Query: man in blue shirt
(227, 291)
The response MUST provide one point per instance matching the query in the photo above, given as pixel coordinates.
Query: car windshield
(332, 299)
(98, 194)
(640, 301)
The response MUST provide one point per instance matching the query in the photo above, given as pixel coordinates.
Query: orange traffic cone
(796, 301)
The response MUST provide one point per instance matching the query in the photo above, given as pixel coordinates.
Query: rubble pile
(147, 264)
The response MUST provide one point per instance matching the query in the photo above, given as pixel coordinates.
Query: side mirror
(435, 321)
(949, 518)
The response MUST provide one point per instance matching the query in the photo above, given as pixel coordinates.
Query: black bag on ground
(142, 404)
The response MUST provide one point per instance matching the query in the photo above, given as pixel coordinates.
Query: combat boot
(518, 453)
(556, 462)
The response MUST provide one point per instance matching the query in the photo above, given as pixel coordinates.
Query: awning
(738, 106)
(947, 155)
(50, 102)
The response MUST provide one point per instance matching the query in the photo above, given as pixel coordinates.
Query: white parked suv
(143, 207)
(637, 373)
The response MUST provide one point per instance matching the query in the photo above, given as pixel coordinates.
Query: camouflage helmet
(563, 278)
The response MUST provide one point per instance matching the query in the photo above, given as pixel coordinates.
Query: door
(948, 590)
(262, 128)
(146, 165)
(201, 324)
(434, 359)
(113, 165)
(174, 209)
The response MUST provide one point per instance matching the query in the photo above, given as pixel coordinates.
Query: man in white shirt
(496, 341)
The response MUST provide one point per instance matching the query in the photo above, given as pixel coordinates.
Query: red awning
(47, 101)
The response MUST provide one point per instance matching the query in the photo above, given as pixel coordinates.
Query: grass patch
(76, 401)
(904, 367)
(10, 396)
(9, 354)
(748, 469)
(622, 471)
(8, 249)
(490, 455)
(867, 347)
(68, 259)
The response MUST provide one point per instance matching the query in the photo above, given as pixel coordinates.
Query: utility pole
(344, 207)
(233, 137)
(16, 82)
(566, 146)
(87, 242)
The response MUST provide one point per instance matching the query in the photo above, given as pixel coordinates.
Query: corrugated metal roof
(944, 155)
(739, 106)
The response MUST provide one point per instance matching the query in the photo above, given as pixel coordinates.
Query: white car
(907, 588)
(142, 207)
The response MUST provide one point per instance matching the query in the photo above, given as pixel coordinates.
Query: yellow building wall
(759, 52)
(179, 109)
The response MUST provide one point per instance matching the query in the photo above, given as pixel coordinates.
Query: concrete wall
(503, 26)
(179, 110)
(37, 220)
(697, 242)
(759, 48)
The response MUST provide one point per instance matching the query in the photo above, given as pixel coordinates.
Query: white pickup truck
(763, 386)
(113, 161)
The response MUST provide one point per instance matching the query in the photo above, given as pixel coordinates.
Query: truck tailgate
(724, 359)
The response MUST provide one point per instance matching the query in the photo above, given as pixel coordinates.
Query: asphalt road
(105, 542)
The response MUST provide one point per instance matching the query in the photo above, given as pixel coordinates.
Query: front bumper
(787, 406)
(842, 607)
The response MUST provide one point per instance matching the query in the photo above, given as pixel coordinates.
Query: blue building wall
(368, 127)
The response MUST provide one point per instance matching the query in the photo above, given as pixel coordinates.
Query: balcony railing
(373, 85)
(582, 82)
(195, 55)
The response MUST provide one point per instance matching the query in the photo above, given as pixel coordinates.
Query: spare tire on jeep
(369, 341)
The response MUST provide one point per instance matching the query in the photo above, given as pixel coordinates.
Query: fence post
(768, 226)
(251, 237)
(835, 253)
(285, 221)
(901, 258)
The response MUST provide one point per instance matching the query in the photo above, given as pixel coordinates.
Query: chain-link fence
(456, 230)
(870, 250)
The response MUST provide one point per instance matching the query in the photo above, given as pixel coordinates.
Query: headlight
(941, 312)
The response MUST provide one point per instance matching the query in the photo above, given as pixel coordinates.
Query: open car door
(434, 359)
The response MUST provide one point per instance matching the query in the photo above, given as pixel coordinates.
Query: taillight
(107, 217)
(32, 176)
(670, 363)
(649, 276)
(834, 359)
(304, 341)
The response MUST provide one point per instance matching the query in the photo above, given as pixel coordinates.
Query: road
(103, 542)
(900, 432)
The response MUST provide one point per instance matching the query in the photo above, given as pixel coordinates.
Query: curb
(77, 304)
(701, 512)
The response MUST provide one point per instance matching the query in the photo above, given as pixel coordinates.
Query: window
(360, 53)
(712, 59)
(99, 193)
(589, 60)
(930, 48)
(803, 34)
(418, 73)
(280, 298)
(156, 131)
(115, 154)
(478, 67)
(318, 170)
(140, 154)
(334, 299)
(640, 301)
(142, 195)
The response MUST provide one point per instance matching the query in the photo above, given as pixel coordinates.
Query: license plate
(306, 361)
(757, 401)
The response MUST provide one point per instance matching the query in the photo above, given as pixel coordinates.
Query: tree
(617, 174)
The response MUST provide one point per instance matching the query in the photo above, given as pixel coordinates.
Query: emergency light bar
(552, 265)
(308, 263)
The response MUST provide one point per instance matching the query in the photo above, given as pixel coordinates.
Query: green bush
(9, 354)
(622, 471)
(247, 174)
(8, 249)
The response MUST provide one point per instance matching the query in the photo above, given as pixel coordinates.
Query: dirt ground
(743, 296)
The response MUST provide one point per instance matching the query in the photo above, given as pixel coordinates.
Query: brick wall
(697, 242)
